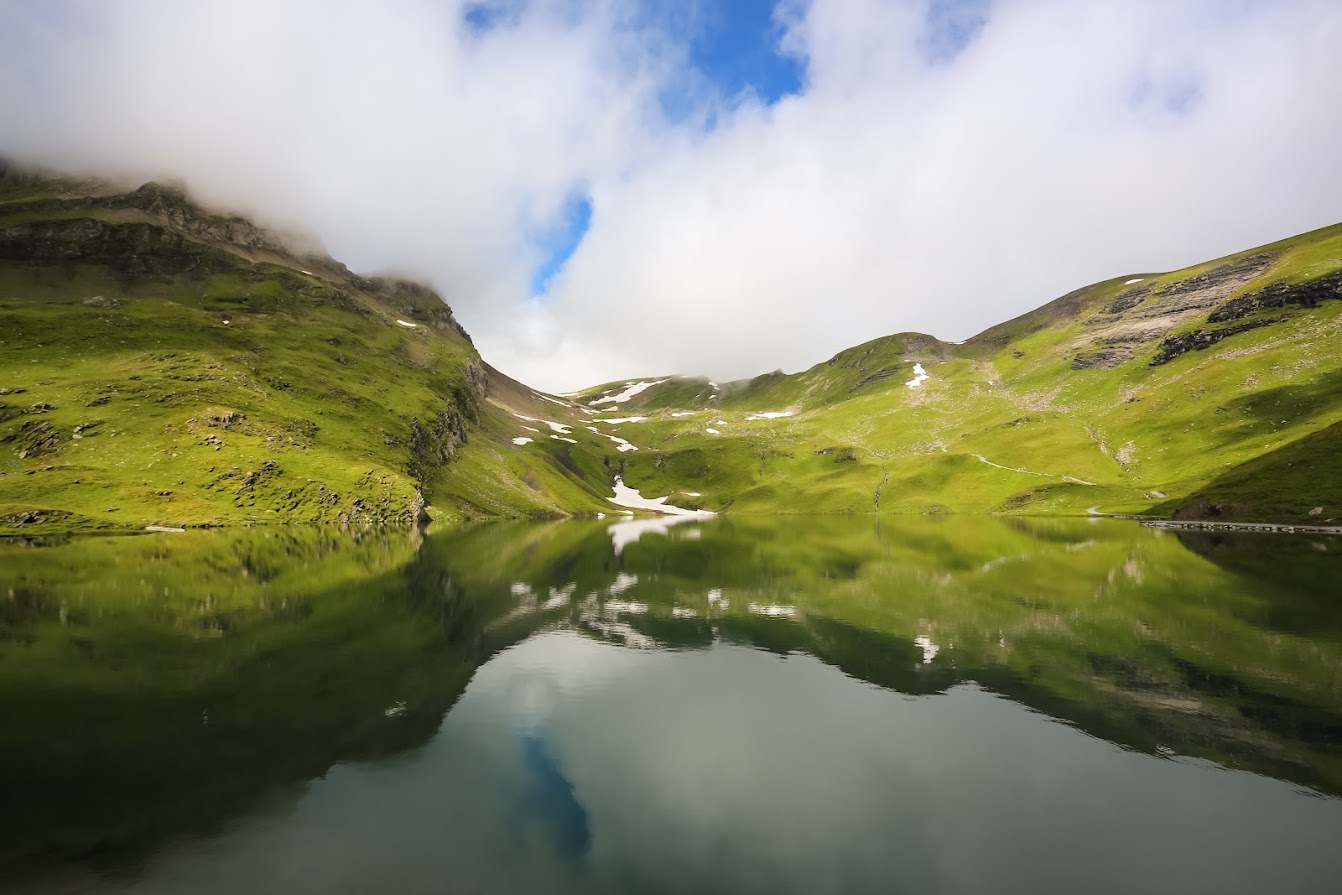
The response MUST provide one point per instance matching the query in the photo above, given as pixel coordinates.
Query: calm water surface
(802, 705)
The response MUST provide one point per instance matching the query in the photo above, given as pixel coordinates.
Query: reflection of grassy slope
(163, 684)
(1116, 628)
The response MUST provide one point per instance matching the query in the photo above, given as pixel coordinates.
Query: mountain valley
(166, 365)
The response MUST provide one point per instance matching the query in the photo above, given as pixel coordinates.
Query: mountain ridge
(254, 382)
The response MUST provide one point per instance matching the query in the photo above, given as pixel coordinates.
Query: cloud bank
(945, 164)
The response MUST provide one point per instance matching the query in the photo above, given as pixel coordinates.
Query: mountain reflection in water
(822, 704)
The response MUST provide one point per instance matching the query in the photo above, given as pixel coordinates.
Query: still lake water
(797, 705)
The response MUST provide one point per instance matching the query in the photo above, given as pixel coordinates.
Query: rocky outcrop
(878, 376)
(1309, 294)
(1128, 300)
(130, 248)
(434, 443)
(1103, 358)
(35, 438)
(1145, 314)
(158, 231)
(1201, 339)
(1239, 271)
(1177, 300)
(417, 302)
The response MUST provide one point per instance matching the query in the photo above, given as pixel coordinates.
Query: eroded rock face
(1145, 315)
(1128, 300)
(131, 248)
(35, 438)
(1201, 339)
(878, 376)
(1104, 358)
(1305, 295)
(435, 442)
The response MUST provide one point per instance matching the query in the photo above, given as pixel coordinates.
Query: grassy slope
(158, 376)
(1145, 438)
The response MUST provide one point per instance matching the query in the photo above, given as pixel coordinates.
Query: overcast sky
(617, 188)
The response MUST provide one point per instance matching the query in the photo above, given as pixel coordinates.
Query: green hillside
(1211, 392)
(165, 364)
(162, 364)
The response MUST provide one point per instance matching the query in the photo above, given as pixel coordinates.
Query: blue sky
(736, 46)
(560, 241)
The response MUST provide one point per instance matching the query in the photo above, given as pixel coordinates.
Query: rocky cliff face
(1153, 322)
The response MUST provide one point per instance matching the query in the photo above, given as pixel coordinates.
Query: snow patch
(521, 440)
(561, 428)
(630, 497)
(622, 419)
(711, 431)
(624, 445)
(1134, 280)
(551, 400)
(631, 389)
(678, 414)
(919, 376)
(768, 415)
(562, 438)
(407, 324)
(682, 612)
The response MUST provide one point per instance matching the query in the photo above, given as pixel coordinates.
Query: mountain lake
(736, 704)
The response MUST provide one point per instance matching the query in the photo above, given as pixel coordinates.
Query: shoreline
(1147, 521)
(1204, 525)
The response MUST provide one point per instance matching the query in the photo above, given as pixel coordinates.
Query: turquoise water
(805, 705)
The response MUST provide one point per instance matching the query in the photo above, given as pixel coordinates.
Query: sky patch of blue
(735, 45)
(480, 18)
(951, 26)
(560, 241)
(484, 16)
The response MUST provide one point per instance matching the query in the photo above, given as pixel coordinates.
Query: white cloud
(1067, 142)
